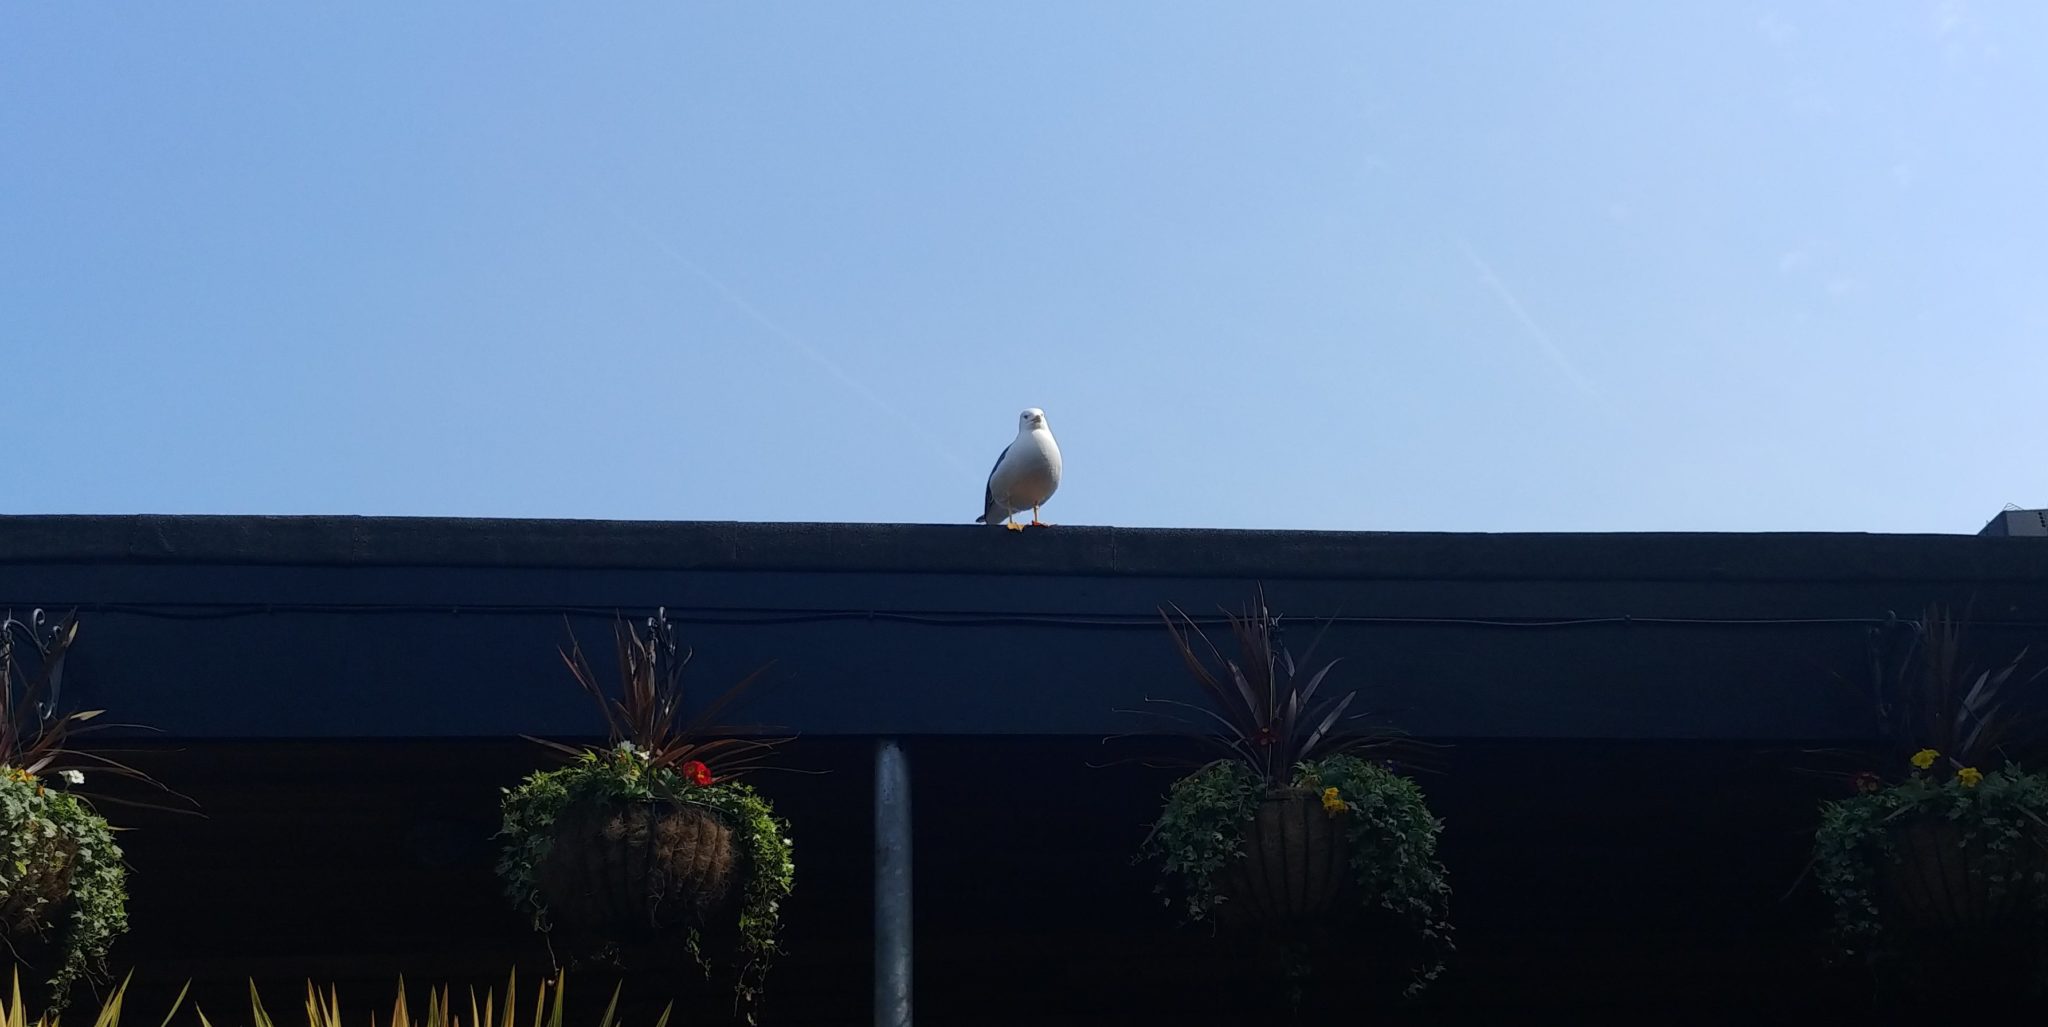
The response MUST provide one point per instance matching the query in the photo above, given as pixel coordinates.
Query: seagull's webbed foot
(1010, 522)
(1035, 522)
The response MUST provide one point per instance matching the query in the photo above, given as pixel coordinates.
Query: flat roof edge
(352, 541)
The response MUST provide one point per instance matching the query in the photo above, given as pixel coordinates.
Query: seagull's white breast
(1029, 472)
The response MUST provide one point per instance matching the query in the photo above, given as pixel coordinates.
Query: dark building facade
(1627, 721)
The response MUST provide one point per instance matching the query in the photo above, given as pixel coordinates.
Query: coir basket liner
(1939, 883)
(632, 870)
(1296, 867)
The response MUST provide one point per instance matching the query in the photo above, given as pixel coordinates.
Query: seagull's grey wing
(988, 492)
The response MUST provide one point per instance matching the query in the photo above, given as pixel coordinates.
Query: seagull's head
(1031, 420)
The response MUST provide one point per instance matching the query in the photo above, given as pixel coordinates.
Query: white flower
(76, 777)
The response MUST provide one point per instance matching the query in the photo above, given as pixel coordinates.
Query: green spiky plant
(656, 756)
(323, 1009)
(549, 1008)
(14, 1010)
(1271, 737)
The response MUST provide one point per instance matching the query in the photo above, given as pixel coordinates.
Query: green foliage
(1201, 831)
(2000, 817)
(50, 839)
(625, 773)
(1392, 833)
(1393, 839)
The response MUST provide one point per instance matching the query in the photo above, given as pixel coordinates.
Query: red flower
(1264, 736)
(1867, 782)
(697, 773)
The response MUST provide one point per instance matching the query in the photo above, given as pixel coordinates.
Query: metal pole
(892, 886)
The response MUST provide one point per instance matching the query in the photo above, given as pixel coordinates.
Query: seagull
(1026, 475)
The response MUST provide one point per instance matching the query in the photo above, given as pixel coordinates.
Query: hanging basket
(631, 871)
(1296, 869)
(1937, 883)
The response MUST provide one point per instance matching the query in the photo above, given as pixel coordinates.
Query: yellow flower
(1331, 803)
(1925, 758)
(1970, 776)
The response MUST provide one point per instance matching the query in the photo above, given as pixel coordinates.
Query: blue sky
(1504, 267)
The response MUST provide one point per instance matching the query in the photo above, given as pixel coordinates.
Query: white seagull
(1025, 476)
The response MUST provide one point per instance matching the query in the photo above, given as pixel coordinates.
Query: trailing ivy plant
(59, 864)
(1271, 736)
(1201, 832)
(654, 754)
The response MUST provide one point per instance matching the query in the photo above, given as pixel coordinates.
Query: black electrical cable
(783, 616)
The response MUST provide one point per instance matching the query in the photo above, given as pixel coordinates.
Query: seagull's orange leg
(1035, 522)
(1010, 522)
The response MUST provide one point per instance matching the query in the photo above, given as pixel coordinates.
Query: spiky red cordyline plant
(1262, 705)
(1937, 700)
(650, 703)
(33, 734)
